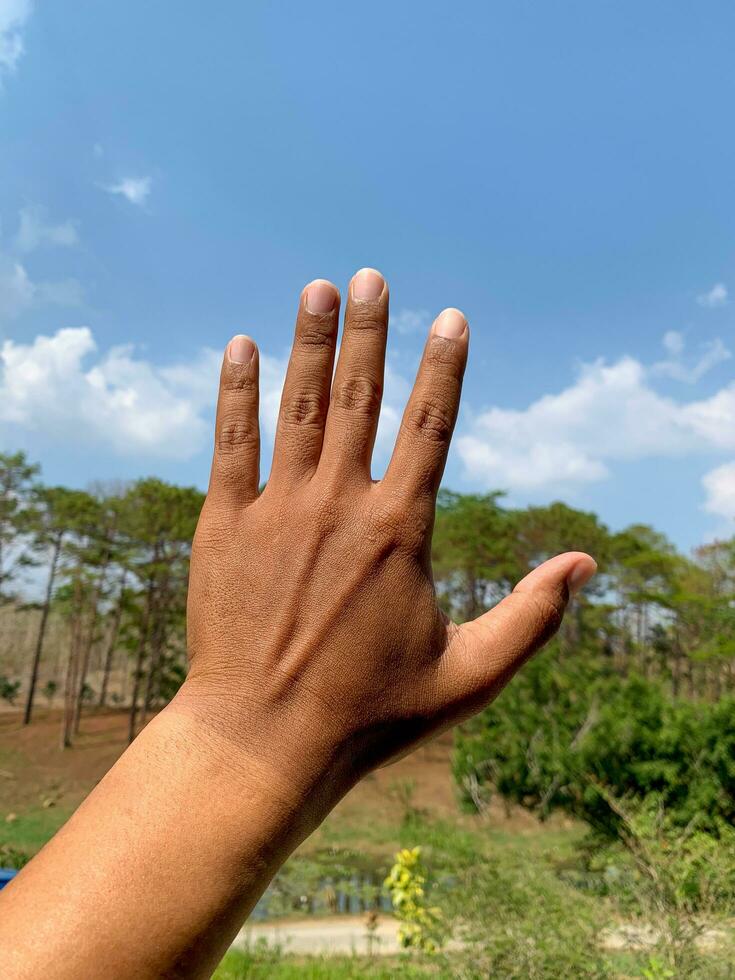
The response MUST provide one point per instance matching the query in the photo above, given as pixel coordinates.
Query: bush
(9, 690)
(564, 736)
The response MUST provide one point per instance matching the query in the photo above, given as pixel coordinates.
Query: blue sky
(171, 174)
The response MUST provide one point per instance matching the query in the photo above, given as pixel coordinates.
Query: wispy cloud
(408, 321)
(19, 292)
(675, 366)
(13, 16)
(35, 232)
(134, 189)
(717, 296)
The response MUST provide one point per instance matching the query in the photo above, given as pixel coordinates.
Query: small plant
(12, 857)
(49, 691)
(9, 689)
(422, 925)
(656, 970)
(371, 929)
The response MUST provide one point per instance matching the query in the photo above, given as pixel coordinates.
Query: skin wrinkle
(317, 651)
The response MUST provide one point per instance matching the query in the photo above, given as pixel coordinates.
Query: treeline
(107, 570)
(111, 566)
(666, 616)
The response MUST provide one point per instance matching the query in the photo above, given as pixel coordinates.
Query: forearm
(158, 868)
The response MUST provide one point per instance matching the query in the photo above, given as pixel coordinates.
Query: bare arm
(317, 649)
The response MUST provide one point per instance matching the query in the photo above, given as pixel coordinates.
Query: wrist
(292, 761)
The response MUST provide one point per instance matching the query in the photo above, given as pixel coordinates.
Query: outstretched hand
(318, 651)
(315, 635)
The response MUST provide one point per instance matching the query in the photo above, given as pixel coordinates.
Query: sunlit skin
(318, 652)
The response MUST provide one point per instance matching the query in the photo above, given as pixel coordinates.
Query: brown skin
(318, 651)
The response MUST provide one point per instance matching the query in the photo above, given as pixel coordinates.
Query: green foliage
(49, 690)
(569, 736)
(422, 924)
(472, 553)
(13, 857)
(16, 487)
(679, 882)
(9, 689)
(267, 963)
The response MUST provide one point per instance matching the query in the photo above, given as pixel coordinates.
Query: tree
(16, 485)
(76, 595)
(472, 552)
(54, 514)
(160, 521)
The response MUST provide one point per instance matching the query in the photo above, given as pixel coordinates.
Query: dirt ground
(35, 772)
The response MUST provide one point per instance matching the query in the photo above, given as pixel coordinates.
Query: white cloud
(61, 387)
(134, 189)
(611, 413)
(65, 390)
(719, 488)
(19, 293)
(13, 16)
(34, 232)
(713, 353)
(717, 296)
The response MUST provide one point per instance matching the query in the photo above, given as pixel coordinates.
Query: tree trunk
(152, 675)
(139, 658)
(71, 685)
(89, 643)
(158, 641)
(111, 643)
(41, 634)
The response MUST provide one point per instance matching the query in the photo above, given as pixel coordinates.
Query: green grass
(32, 828)
(260, 964)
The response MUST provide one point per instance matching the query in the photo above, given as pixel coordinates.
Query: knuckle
(317, 333)
(366, 319)
(432, 419)
(304, 410)
(443, 354)
(214, 528)
(404, 523)
(236, 433)
(238, 382)
(360, 395)
(388, 524)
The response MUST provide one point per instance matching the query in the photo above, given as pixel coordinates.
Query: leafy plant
(422, 925)
(9, 689)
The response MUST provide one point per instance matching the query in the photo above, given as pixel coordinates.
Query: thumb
(484, 654)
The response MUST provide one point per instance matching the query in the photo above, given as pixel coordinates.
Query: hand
(317, 651)
(316, 641)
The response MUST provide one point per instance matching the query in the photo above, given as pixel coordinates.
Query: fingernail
(450, 323)
(321, 297)
(580, 575)
(240, 349)
(367, 284)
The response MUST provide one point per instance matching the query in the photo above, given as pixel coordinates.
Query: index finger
(426, 430)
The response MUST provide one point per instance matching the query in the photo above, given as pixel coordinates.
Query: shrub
(564, 737)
